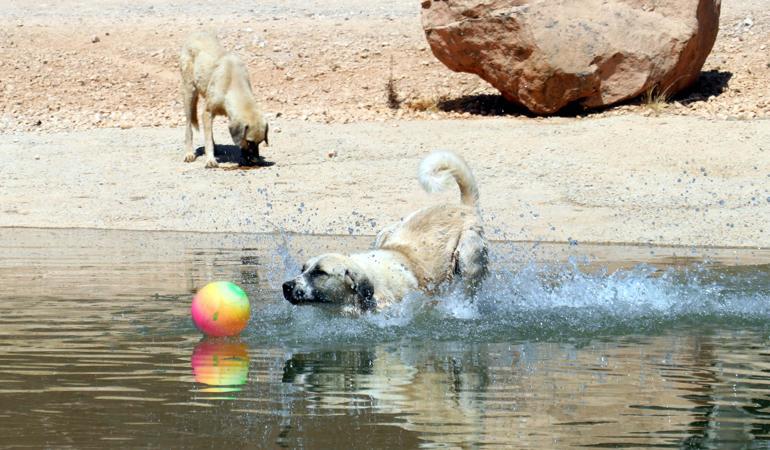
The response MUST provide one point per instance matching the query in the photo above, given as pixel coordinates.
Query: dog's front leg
(208, 133)
(189, 155)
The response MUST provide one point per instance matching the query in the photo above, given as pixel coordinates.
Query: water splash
(537, 300)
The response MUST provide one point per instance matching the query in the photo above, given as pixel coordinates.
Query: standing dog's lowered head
(222, 80)
(425, 251)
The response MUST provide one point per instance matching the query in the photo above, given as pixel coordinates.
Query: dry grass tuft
(390, 89)
(430, 104)
(656, 99)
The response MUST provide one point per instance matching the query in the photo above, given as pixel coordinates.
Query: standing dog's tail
(437, 171)
(191, 109)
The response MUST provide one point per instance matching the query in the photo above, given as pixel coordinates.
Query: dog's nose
(288, 291)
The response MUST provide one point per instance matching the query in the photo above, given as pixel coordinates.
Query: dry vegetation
(656, 99)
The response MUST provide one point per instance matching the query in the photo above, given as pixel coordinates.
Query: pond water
(567, 346)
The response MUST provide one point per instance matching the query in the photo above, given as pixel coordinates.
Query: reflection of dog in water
(437, 390)
(429, 248)
(222, 80)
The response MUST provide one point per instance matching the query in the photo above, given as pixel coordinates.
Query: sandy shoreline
(631, 179)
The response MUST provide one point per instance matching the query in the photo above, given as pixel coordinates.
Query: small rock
(331, 154)
(748, 22)
(95, 39)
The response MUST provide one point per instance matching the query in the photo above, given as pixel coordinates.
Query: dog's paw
(190, 157)
(211, 164)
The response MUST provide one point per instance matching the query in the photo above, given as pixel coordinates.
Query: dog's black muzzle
(250, 154)
(290, 292)
(296, 295)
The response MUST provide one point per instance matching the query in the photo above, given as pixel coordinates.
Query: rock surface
(546, 54)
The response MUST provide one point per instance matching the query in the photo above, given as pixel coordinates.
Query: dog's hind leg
(471, 260)
(190, 101)
(208, 135)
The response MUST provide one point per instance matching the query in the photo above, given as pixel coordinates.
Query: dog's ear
(267, 131)
(363, 287)
(237, 132)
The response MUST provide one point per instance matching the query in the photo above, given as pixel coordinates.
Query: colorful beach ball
(220, 309)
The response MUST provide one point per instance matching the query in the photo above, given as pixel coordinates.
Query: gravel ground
(80, 65)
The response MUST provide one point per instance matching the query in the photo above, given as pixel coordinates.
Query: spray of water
(534, 301)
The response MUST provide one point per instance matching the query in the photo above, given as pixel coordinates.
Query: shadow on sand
(233, 154)
(711, 83)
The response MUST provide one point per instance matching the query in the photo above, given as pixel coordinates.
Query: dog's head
(331, 280)
(249, 135)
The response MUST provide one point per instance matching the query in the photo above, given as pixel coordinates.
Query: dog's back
(198, 60)
(432, 237)
(199, 57)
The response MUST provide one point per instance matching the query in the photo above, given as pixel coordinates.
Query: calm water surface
(565, 348)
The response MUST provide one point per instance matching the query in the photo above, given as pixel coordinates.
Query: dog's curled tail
(439, 168)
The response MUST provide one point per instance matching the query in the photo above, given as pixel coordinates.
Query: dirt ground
(90, 117)
(627, 179)
(79, 65)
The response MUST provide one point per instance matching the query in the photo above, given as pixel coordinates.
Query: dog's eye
(318, 272)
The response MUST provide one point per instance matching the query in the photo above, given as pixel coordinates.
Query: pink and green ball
(220, 309)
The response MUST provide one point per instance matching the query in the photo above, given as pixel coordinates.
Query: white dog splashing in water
(423, 253)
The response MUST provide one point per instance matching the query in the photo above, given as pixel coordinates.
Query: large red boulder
(546, 54)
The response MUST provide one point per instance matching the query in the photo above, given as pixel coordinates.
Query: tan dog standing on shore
(423, 252)
(222, 80)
